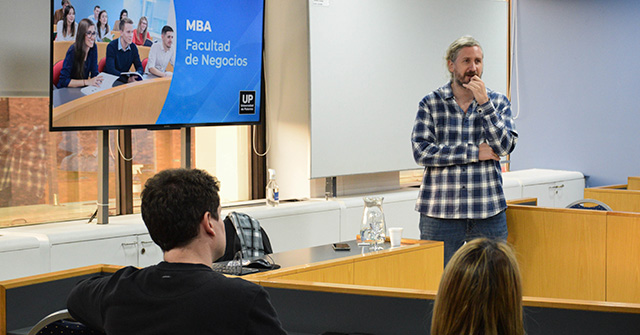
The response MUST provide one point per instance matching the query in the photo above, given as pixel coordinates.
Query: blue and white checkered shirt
(445, 139)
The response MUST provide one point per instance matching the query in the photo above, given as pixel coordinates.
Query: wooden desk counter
(313, 308)
(633, 183)
(415, 265)
(24, 301)
(625, 200)
(623, 257)
(307, 307)
(134, 103)
(561, 252)
(577, 254)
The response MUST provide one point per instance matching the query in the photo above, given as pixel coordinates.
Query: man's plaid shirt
(445, 139)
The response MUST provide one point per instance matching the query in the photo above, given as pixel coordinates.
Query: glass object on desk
(373, 227)
(272, 190)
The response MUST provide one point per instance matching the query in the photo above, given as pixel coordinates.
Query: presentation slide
(218, 62)
(215, 76)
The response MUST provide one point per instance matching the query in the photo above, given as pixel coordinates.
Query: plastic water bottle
(273, 191)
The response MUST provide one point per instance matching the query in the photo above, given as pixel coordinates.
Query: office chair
(60, 323)
(244, 234)
(57, 68)
(144, 64)
(599, 205)
(101, 64)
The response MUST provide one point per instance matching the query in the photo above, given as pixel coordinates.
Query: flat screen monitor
(197, 63)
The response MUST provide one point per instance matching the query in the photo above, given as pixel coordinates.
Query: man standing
(161, 54)
(182, 294)
(96, 13)
(460, 131)
(121, 53)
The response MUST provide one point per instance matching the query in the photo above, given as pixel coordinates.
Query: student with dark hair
(67, 27)
(123, 13)
(161, 54)
(95, 15)
(121, 53)
(480, 292)
(58, 14)
(182, 294)
(80, 66)
(104, 33)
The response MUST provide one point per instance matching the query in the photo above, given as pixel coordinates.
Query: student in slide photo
(67, 27)
(121, 53)
(80, 66)
(104, 33)
(161, 54)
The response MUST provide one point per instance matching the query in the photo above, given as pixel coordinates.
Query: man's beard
(470, 74)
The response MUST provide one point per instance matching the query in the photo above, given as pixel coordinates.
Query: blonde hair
(480, 292)
(143, 33)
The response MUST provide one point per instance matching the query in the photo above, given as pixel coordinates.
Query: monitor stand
(103, 177)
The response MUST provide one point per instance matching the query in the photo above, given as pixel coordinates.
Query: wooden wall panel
(623, 258)
(561, 252)
(419, 269)
(339, 274)
(618, 200)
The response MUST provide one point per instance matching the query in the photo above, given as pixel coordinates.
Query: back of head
(480, 292)
(174, 203)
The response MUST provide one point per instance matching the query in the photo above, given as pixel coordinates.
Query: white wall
(578, 83)
(287, 100)
(24, 55)
(372, 61)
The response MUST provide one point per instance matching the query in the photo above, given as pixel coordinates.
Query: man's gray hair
(457, 45)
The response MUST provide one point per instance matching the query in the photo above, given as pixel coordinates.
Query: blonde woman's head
(480, 292)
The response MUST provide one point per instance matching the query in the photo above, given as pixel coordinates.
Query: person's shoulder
(72, 50)
(114, 43)
(128, 270)
(494, 93)
(496, 96)
(440, 93)
(239, 285)
(93, 50)
(109, 279)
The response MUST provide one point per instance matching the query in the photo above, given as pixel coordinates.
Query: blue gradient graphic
(204, 93)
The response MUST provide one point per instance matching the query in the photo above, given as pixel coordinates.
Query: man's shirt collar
(120, 46)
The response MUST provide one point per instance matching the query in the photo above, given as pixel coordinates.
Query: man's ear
(207, 223)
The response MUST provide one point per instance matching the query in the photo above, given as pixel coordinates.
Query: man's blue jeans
(455, 232)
